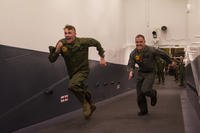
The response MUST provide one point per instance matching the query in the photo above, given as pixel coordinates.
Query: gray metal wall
(191, 88)
(31, 88)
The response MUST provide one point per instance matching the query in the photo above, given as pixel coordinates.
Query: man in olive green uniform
(144, 56)
(181, 71)
(160, 67)
(74, 50)
(175, 65)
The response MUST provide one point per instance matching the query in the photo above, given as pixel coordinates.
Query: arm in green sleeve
(94, 43)
(52, 55)
(131, 63)
(163, 55)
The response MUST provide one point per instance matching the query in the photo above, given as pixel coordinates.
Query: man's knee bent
(76, 87)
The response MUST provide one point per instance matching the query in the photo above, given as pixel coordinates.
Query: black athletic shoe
(142, 113)
(93, 108)
(154, 99)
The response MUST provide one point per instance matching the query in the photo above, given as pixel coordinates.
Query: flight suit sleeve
(163, 55)
(131, 63)
(94, 43)
(52, 54)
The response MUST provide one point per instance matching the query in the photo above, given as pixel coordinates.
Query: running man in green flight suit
(145, 57)
(74, 50)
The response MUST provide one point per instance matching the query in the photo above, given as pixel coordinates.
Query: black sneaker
(154, 99)
(93, 108)
(142, 113)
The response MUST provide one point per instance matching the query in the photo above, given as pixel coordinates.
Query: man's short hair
(69, 27)
(140, 35)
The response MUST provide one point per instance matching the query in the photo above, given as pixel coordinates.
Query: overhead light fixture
(188, 8)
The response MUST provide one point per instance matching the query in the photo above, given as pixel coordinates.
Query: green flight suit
(76, 60)
(160, 66)
(182, 73)
(146, 74)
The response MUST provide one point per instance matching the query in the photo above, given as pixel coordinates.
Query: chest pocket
(79, 48)
(147, 57)
(79, 51)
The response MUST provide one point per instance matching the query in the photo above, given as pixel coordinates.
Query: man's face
(140, 43)
(70, 35)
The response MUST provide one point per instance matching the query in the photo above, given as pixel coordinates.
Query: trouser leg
(141, 99)
(79, 89)
(88, 97)
(142, 103)
(148, 82)
(153, 95)
(181, 79)
(147, 88)
(77, 86)
(159, 76)
(163, 76)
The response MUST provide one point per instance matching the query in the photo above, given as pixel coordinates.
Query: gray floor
(119, 115)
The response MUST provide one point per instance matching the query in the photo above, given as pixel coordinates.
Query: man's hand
(102, 62)
(58, 47)
(130, 75)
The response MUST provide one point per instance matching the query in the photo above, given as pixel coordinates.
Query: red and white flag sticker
(64, 98)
